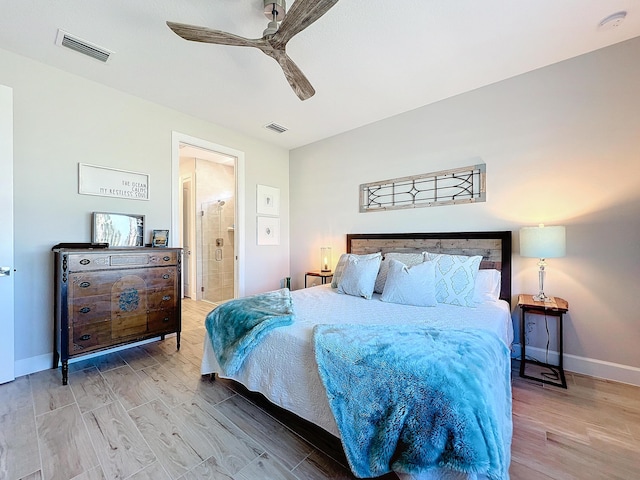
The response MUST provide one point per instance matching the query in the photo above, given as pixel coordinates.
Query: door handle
(5, 271)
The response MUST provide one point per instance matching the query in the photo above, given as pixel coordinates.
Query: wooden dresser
(113, 296)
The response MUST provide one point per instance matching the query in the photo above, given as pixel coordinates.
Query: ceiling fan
(274, 39)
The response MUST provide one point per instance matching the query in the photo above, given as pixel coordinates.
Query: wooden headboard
(495, 248)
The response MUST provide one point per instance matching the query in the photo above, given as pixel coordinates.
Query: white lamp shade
(542, 242)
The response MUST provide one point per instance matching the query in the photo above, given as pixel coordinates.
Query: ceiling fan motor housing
(275, 10)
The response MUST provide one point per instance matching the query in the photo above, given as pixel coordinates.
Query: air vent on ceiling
(65, 39)
(276, 128)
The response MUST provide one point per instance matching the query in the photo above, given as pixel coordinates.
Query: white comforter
(283, 367)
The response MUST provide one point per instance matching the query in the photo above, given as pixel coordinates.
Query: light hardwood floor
(146, 413)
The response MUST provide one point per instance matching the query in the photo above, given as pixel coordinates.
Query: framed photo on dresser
(160, 238)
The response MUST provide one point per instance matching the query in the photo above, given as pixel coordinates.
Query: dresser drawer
(133, 325)
(161, 277)
(91, 336)
(90, 309)
(90, 284)
(160, 299)
(163, 321)
(107, 260)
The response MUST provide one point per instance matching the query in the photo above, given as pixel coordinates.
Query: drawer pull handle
(85, 261)
(85, 337)
(85, 284)
(166, 297)
(166, 258)
(166, 276)
(165, 320)
(85, 310)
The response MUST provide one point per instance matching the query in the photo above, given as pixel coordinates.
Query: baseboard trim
(585, 366)
(45, 362)
(33, 364)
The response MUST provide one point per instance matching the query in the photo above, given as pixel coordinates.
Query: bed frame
(495, 248)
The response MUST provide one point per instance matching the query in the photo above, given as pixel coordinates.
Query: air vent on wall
(65, 39)
(276, 128)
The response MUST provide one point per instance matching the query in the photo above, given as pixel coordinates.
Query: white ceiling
(367, 59)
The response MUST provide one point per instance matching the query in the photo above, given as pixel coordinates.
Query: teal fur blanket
(411, 398)
(237, 326)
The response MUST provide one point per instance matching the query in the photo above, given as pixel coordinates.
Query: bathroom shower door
(218, 258)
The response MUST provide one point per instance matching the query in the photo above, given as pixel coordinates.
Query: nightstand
(556, 309)
(323, 276)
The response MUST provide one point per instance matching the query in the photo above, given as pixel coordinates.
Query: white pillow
(342, 262)
(487, 287)
(410, 285)
(455, 278)
(409, 259)
(359, 276)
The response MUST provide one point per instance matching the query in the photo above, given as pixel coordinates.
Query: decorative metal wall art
(447, 187)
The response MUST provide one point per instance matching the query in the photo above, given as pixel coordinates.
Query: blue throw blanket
(413, 398)
(237, 326)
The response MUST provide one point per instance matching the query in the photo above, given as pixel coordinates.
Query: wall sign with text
(111, 182)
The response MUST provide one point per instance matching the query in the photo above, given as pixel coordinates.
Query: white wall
(561, 147)
(61, 120)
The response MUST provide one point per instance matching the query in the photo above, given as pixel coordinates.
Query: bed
(284, 367)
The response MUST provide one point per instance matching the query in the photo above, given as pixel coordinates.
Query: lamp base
(541, 297)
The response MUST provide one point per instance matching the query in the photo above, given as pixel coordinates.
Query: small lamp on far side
(325, 259)
(542, 242)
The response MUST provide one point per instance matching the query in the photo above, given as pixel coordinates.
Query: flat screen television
(118, 229)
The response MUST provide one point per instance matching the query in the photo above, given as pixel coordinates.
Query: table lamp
(542, 242)
(325, 259)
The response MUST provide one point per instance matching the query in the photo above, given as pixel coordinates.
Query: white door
(187, 244)
(6, 236)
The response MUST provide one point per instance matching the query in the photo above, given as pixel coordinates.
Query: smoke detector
(612, 21)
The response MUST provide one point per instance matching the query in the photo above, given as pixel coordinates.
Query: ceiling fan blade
(301, 86)
(302, 14)
(306, 13)
(208, 35)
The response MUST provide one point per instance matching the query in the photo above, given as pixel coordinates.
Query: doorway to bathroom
(208, 223)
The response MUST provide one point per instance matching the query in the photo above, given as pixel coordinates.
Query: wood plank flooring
(146, 413)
